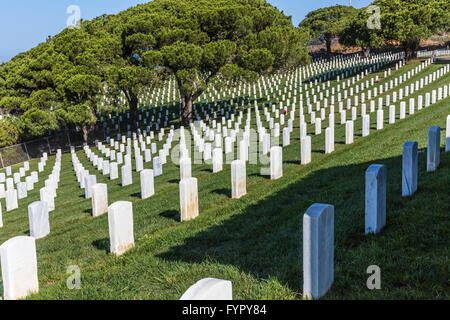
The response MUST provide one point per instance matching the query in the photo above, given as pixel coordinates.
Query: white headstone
(46, 195)
(209, 289)
(38, 219)
(434, 148)
(217, 160)
(318, 250)
(11, 200)
(113, 171)
(410, 168)
(305, 150)
(22, 190)
(185, 168)
(276, 163)
(238, 179)
(349, 132)
(375, 217)
(329, 140)
(127, 177)
(157, 166)
(188, 199)
(99, 199)
(89, 182)
(120, 222)
(147, 184)
(19, 268)
(447, 135)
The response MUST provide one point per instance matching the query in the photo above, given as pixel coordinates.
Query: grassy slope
(256, 242)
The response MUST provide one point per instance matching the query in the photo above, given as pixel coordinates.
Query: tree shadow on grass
(171, 214)
(136, 195)
(265, 240)
(102, 244)
(225, 192)
(259, 175)
(298, 162)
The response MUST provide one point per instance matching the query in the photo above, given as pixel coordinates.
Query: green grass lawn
(256, 242)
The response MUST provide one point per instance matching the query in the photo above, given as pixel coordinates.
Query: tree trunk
(410, 50)
(328, 43)
(91, 136)
(85, 134)
(366, 52)
(187, 103)
(88, 133)
(133, 102)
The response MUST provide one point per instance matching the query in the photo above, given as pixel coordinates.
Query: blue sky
(26, 23)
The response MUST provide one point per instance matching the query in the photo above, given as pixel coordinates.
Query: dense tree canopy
(409, 21)
(357, 32)
(404, 21)
(60, 83)
(195, 40)
(9, 133)
(328, 23)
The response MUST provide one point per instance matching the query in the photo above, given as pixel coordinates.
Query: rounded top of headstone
(18, 241)
(121, 204)
(209, 289)
(316, 210)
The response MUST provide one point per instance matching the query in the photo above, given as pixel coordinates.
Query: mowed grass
(256, 242)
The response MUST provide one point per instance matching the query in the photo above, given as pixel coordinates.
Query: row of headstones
(167, 110)
(213, 125)
(18, 254)
(112, 168)
(19, 260)
(22, 187)
(439, 52)
(189, 189)
(440, 93)
(349, 127)
(349, 134)
(318, 221)
(376, 177)
(327, 75)
(228, 148)
(353, 79)
(282, 117)
(329, 141)
(47, 194)
(138, 145)
(188, 185)
(328, 84)
(285, 90)
(318, 224)
(435, 96)
(289, 93)
(377, 90)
